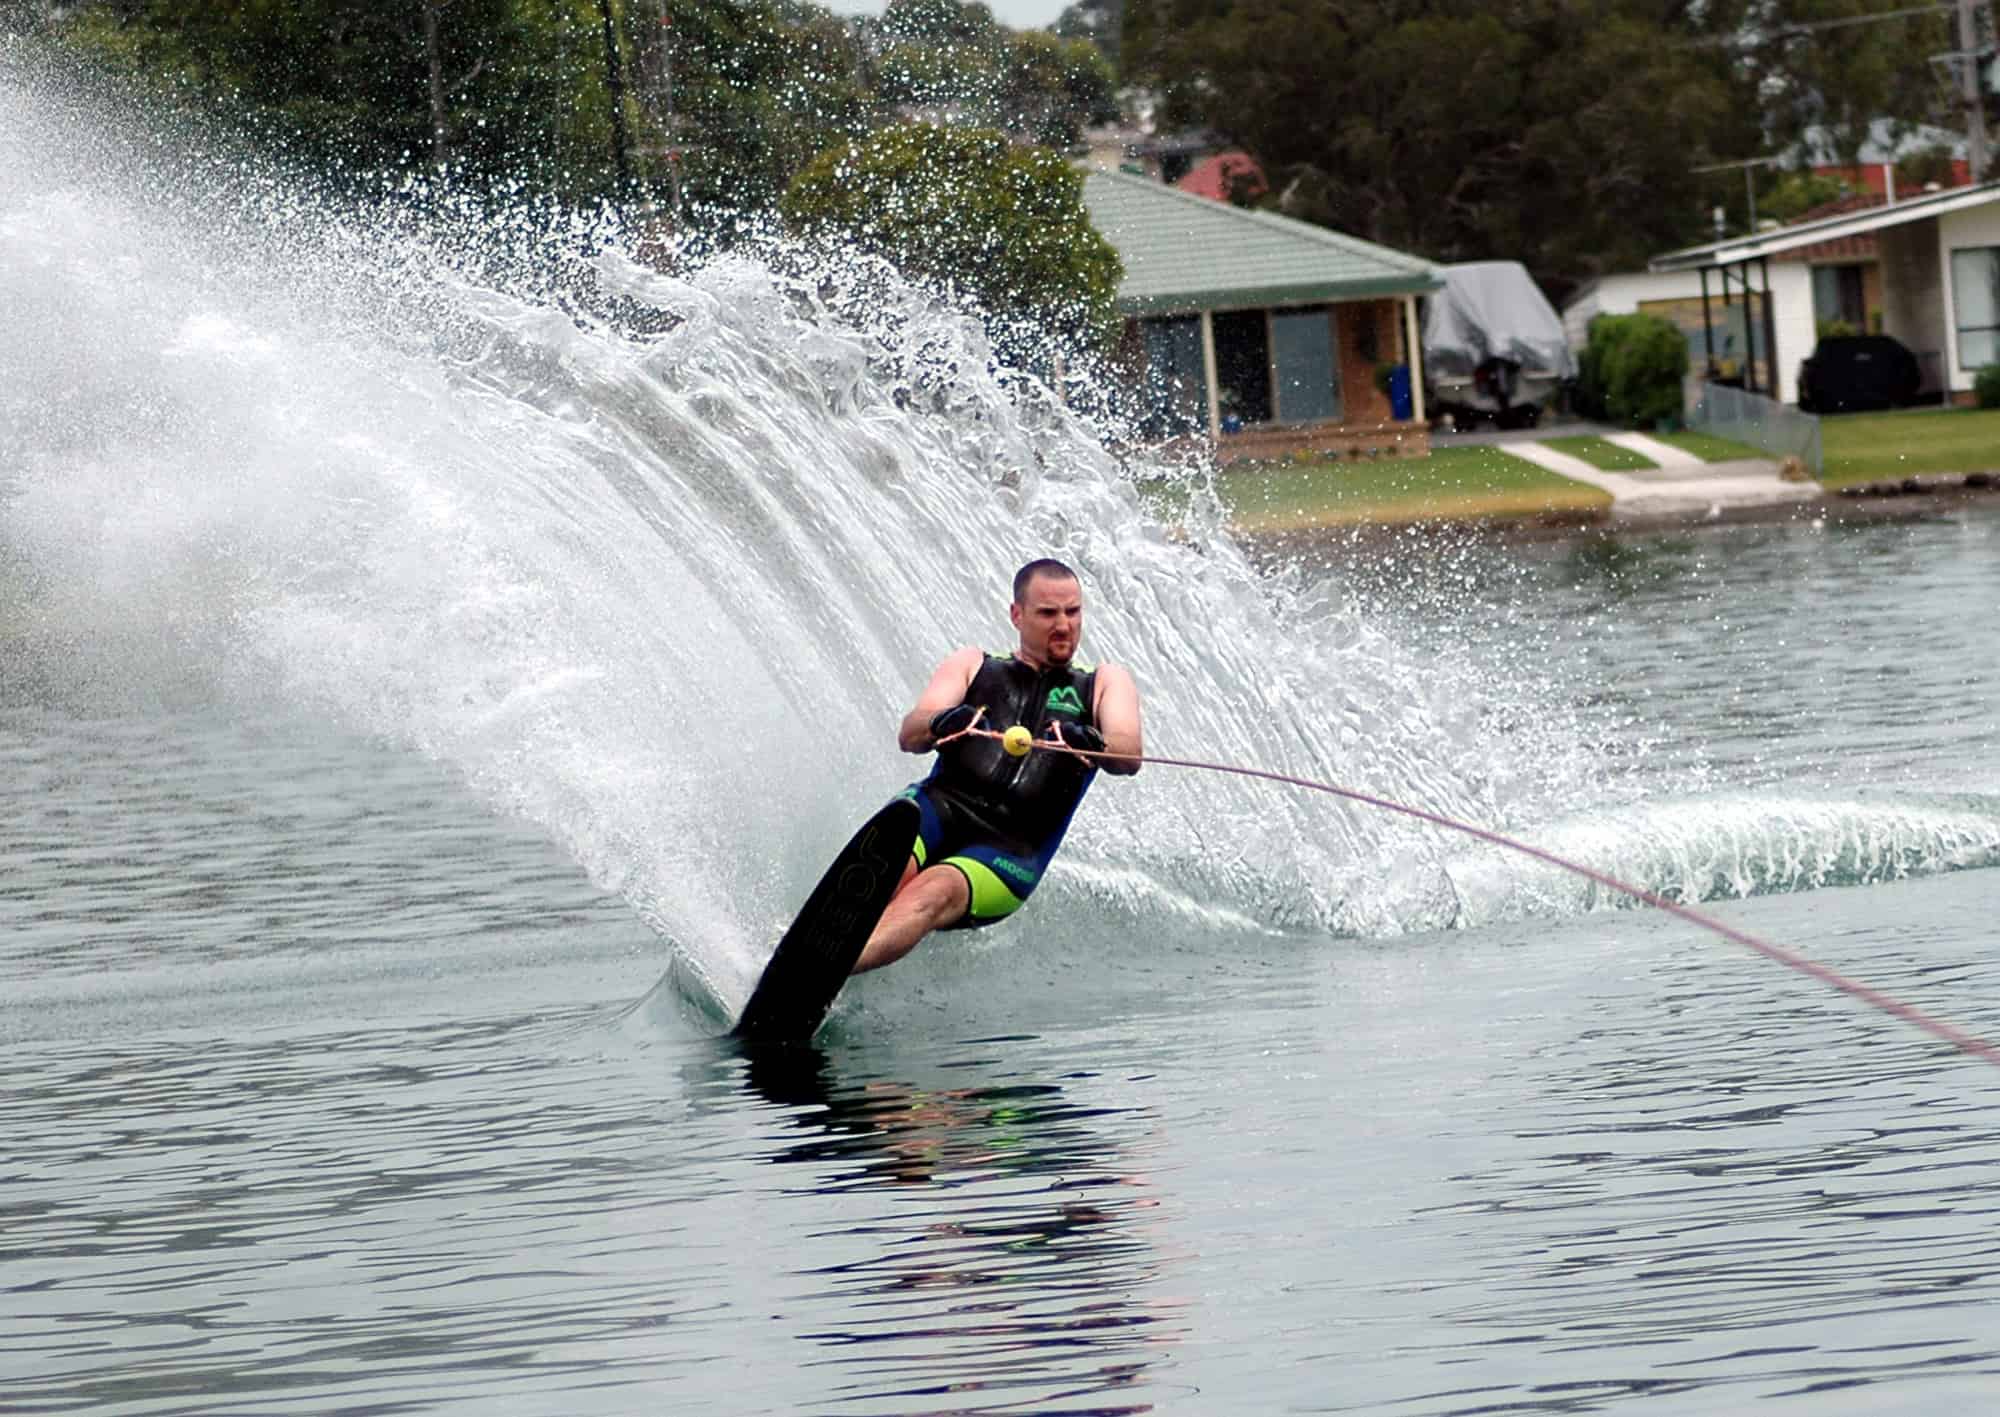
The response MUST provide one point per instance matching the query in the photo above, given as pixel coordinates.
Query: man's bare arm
(947, 687)
(1117, 713)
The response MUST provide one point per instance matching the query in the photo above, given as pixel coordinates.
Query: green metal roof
(1184, 253)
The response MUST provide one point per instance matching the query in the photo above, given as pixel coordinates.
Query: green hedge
(1631, 370)
(1986, 386)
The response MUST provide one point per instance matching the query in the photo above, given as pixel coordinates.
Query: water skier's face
(1050, 619)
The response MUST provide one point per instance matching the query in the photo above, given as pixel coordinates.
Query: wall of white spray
(666, 593)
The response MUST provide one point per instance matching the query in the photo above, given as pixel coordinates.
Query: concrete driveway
(1681, 485)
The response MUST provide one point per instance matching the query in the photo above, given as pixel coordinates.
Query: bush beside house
(1631, 370)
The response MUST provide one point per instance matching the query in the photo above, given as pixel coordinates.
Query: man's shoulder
(1115, 677)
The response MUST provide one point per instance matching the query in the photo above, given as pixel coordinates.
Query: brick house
(1263, 333)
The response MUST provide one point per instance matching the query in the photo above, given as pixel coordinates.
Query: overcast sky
(1015, 14)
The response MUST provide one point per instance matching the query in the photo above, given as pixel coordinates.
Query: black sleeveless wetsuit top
(1024, 801)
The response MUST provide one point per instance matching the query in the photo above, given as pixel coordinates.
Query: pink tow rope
(1875, 998)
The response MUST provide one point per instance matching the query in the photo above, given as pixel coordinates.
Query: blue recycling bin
(1400, 405)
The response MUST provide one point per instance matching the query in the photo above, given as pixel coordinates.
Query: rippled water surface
(329, 1090)
(438, 652)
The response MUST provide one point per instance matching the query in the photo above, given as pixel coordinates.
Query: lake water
(422, 704)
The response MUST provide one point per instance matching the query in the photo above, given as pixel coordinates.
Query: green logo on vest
(1065, 700)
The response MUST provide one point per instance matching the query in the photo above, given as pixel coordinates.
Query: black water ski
(818, 952)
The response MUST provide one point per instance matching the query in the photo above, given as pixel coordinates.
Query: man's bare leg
(925, 901)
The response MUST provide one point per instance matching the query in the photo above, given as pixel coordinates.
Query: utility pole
(1968, 88)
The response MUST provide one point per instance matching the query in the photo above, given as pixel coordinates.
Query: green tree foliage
(1101, 22)
(1050, 88)
(962, 79)
(953, 61)
(965, 207)
(521, 82)
(1557, 134)
(758, 87)
(723, 99)
(959, 24)
(1837, 66)
(1797, 193)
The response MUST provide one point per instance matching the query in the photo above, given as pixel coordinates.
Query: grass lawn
(1708, 447)
(1450, 483)
(1601, 453)
(1879, 447)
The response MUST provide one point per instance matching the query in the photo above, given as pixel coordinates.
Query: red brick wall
(1360, 400)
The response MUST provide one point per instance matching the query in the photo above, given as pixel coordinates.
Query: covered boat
(1494, 347)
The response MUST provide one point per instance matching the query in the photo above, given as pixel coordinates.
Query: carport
(1940, 261)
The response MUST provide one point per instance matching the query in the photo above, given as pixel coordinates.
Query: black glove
(1080, 736)
(955, 719)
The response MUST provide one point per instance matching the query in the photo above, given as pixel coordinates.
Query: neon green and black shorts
(1000, 879)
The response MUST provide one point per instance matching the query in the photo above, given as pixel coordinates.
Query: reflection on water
(499, 1212)
(1013, 1268)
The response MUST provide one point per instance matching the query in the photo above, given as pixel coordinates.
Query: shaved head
(1026, 576)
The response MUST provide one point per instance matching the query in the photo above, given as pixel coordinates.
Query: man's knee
(941, 894)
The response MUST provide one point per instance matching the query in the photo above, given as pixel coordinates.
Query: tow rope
(1791, 959)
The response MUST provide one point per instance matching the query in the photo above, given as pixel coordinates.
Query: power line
(1802, 27)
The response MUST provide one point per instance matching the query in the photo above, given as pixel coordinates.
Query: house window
(1975, 295)
(1837, 295)
(1243, 367)
(1302, 346)
(1176, 386)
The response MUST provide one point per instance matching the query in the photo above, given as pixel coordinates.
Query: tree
(614, 84)
(949, 61)
(1819, 77)
(958, 23)
(1556, 134)
(487, 87)
(918, 75)
(1051, 88)
(1834, 67)
(1102, 22)
(716, 102)
(967, 209)
(1797, 193)
(759, 87)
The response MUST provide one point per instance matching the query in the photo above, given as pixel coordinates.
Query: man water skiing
(992, 820)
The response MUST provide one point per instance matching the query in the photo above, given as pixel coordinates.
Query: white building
(1746, 305)
(1722, 333)
(1940, 280)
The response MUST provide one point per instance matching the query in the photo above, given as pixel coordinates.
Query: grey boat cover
(1493, 310)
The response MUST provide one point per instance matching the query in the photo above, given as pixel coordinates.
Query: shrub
(1631, 369)
(1587, 393)
(1986, 386)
